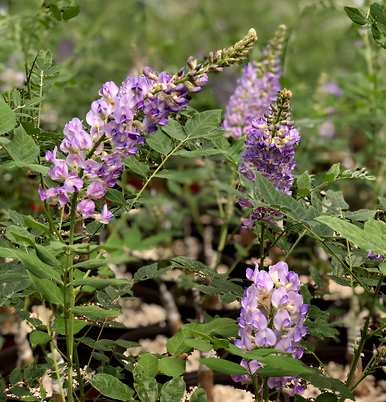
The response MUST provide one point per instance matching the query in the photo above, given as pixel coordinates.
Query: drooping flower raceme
(272, 315)
(90, 161)
(256, 89)
(270, 150)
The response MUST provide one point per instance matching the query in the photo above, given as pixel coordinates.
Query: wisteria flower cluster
(270, 150)
(91, 161)
(272, 315)
(256, 89)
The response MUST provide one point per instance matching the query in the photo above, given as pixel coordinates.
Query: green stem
(69, 301)
(53, 349)
(363, 339)
(289, 252)
(266, 390)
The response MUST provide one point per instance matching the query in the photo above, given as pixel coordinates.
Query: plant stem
(295, 244)
(363, 339)
(262, 252)
(69, 301)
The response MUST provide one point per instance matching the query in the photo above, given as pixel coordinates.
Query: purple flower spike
(274, 294)
(270, 151)
(256, 89)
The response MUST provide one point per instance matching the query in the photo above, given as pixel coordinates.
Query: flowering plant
(147, 198)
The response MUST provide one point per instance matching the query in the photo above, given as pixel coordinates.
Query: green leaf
(203, 124)
(277, 199)
(91, 264)
(197, 153)
(199, 344)
(199, 395)
(19, 235)
(22, 147)
(60, 326)
(49, 290)
(171, 366)
(173, 390)
(70, 12)
(282, 365)
(36, 266)
(146, 387)
(39, 338)
(100, 283)
(333, 173)
(95, 313)
(160, 142)
(223, 366)
(371, 238)
(322, 382)
(382, 268)
(46, 255)
(327, 397)
(355, 15)
(136, 166)
(303, 184)
(149, 364)
(111, 387)
(7, 117)
(175, 130)
(176, 344)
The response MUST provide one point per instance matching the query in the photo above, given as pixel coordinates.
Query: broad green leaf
(46, 255)
(173, 390)
(70, 12)
(146, 387)
(112, 387)
(356, 15)
(39, 338)
(136, 166)
(326, 397)
(7, 117)
(223, 366)
(303, 184)
(199, 395)
(49, 290)
(277, 199)
(95, 313)
(175, 130)
(197, 153)
(322, 382)
(199, 344)
(149, 364)
(176, 344)
(371, 238)
(91, 264)
(171, 366)
(160, 142)
(203, 124)
(22, 147)
(36, 266)
(19, 235)
(60, 326)
(100, 283)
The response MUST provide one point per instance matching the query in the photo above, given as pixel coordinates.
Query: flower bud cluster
(256, 89)
(272, 315)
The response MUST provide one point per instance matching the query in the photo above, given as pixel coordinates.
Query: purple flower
(375, 257)
(86, 208)
(96, 190)
(332, 88)
(270, 150)
(76, 139)
(272, 315)
(105, 216)
(256, 89)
